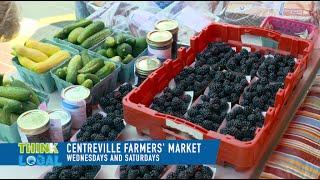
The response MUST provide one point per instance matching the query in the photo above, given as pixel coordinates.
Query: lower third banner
(111, 153)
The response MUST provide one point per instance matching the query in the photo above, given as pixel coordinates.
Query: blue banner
(111, 153)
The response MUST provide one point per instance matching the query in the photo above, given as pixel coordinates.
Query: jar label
(160, 53)
(78, 113)
(56, 133)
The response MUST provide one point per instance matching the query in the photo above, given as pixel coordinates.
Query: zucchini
(48, 49)
(85, 58)
(93, 66)
(74, 65)
(90, 30)
(80, 23)
(75, 34)
(34, 97)
(27, 63)
(15, 93)
(96, 38)
(33, 54)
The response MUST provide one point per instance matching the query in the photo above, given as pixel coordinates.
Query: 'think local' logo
(40, 154)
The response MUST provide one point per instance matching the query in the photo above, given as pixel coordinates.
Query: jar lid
(75, 93)
(61, 115)
(167, 25)
(33, 122)
(147, 64)
(159, 38)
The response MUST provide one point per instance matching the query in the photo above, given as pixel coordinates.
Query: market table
(129, 133)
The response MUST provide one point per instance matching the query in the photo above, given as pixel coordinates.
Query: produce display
(172, 101)
(242, 123)
(245, 62)
(73, 172)
(112, 102)
(99, 128)
(194, 79)
(16, 98)
(84, 33)
(84, 70)
(276, 67)
(39, 57)
(260, 94)
(191, 172)
(227, 86)
(122, 48)
(141, 172)
(209, 114)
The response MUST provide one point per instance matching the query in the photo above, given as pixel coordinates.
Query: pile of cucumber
(122, 47)
(85, 33)
(15, 99)
(84, 70)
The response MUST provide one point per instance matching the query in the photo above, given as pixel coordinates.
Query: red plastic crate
(290, 26)
(162, 126)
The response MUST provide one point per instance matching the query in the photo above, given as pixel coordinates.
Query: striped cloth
(298, 153)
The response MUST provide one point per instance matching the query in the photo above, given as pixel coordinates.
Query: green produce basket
(10, 134)
(127, 70)
(106, 85)
(44, 81)
(77, 47)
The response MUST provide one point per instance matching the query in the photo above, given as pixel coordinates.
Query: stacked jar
(144, 66)
(171, 26)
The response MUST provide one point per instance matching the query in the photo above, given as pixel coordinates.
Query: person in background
(9, 20)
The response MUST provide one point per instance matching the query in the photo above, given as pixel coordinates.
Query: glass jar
(171, 26)
(144, 66)
(64, 119)
(35, 124)
(160, 44)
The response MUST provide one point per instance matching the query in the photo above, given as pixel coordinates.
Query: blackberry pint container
(160, 44)
(77, 101)
(35, 124)
(171, 26)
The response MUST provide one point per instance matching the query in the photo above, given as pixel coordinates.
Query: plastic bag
(253, 12)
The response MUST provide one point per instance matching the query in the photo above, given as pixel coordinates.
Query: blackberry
(198, 175)
(97, 116)
(96, 127)
(182, 175)
(51, 175)
(118, 124)
(180, 168)
(65, 174)
(172, 175)
(147, 176)
(133, 174)
(154, 174)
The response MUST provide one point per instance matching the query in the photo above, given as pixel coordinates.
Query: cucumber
(83, 77)
(61, 35)
(107, 69)
(87, 83)
(16, 93)
(93, 66)
(61, 73)
(34, 98)
(127, 59)
(90, 30)
(27, 106)
(75, 34)
(116, 59)
(109, 42)
(124, 49)
(1, 79)
(120, 38)
(80, 23)
(111, 52)
(96, 38)
(102, 52)
(11, 105)
(74, 65)
(85, 58)
(139, 47)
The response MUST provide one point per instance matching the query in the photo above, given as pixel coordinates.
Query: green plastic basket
(106, 85)
(44, 81)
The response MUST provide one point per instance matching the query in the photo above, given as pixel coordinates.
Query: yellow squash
(33, 54)
(27, 63)
(48, 49)
(52, 61)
